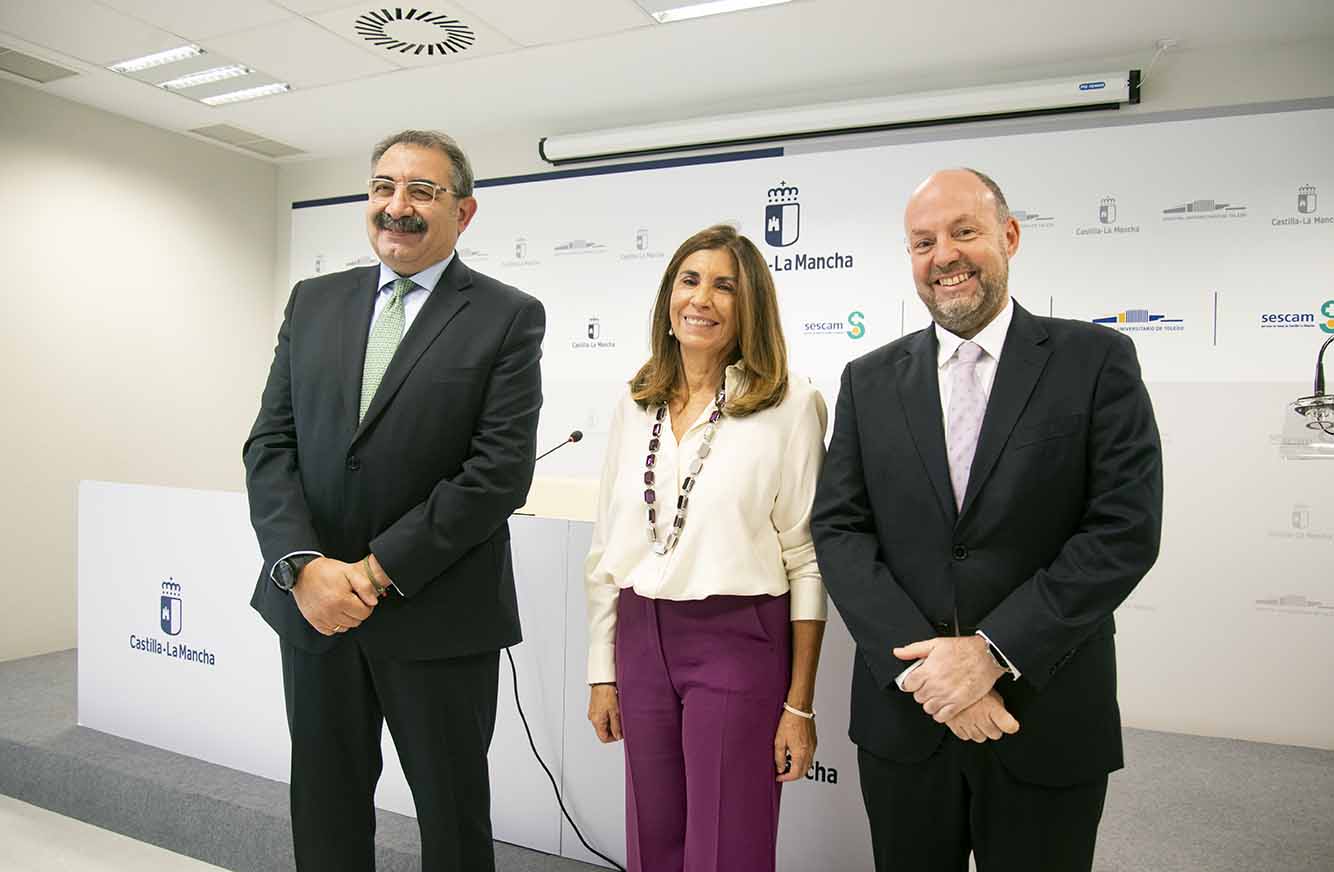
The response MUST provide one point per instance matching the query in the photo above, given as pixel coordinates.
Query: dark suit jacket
(429, 478)
(1060, 521)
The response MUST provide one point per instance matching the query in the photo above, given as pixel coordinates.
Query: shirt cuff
(903, 676)
(1013, 670)
(808, 601)
(274, 567)
(601, 663)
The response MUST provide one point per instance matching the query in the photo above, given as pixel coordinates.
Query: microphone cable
(574, 436)
(514, 673)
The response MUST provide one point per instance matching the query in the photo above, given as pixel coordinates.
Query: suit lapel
(355, 328)
(444, 302)
(919, 394)
(1022, 360)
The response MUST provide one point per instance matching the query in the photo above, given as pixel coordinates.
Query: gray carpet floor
(1183, 802)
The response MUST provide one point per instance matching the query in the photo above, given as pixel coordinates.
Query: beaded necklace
(662, 546)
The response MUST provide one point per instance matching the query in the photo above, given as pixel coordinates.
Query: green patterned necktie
(384, 339)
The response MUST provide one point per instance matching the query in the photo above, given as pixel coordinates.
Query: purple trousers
(701, 687)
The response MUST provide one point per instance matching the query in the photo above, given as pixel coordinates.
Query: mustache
(962, 263)
(406, 224)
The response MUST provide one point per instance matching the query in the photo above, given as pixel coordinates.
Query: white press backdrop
(1219, 230)
(1209, 241)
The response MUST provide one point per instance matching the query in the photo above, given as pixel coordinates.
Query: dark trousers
(441, 714)
(926, 817)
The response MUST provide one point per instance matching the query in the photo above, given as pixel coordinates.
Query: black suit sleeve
(466, 509)
(1053, 611)
(878, 612)
(278, 509)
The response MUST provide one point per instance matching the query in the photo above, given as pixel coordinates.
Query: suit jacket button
(354, 463)
(960, 552)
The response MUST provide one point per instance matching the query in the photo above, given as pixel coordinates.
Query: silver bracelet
(810, 715)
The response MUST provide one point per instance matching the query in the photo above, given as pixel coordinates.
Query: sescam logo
(169, 620)
(1325, 318)
(782, 228)
(854, 326)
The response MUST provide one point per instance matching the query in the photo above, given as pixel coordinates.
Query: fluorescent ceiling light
(170, 56)
(204, 77)
(680, 11)
(248, 94)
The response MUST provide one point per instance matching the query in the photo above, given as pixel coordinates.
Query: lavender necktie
(967, 406)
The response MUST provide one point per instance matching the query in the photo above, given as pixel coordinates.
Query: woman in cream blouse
(705, 604)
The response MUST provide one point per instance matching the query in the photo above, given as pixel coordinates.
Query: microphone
(575, 436)
(1309, 431)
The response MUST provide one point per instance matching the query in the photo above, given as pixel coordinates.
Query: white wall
(136, 333)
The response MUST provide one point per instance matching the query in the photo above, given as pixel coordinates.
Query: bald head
(966, 179)
(961, 237)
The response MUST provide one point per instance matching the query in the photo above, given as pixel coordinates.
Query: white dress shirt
(747, 529)
(413, 301)
(991, 338)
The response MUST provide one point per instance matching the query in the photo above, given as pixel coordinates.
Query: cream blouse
(747, 529)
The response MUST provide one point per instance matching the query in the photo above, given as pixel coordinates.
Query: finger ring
(338, 629)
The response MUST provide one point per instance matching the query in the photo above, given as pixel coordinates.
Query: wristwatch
(286, 571)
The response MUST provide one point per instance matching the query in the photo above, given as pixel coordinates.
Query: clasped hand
(334, 596)
(954, 685)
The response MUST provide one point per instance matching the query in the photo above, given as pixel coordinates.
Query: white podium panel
(170, 652)
(172, 655)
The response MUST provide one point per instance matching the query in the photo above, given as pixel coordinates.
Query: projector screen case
(1011, 100)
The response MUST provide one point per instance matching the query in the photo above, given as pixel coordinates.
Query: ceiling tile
(539, 23)
(309, 7)
(85, 30)
(202, 20)
(125, 96)
(301, 53)
(35, 69)
(440, 33)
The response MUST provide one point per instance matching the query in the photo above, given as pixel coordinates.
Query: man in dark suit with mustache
(394, 438)
(992, 491)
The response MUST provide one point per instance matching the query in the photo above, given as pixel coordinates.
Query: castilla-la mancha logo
(782, 216)
(169, 617)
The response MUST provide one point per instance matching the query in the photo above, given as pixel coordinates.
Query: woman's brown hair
(760, 347)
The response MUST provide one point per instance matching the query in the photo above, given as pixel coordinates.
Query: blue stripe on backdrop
(664, 163)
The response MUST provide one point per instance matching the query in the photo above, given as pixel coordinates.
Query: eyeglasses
(418, 193)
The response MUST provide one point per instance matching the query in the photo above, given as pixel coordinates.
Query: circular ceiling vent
(415, 31)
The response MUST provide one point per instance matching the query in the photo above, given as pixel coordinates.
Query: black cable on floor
(515, 673)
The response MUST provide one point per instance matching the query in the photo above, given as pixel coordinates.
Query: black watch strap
(286, 570)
